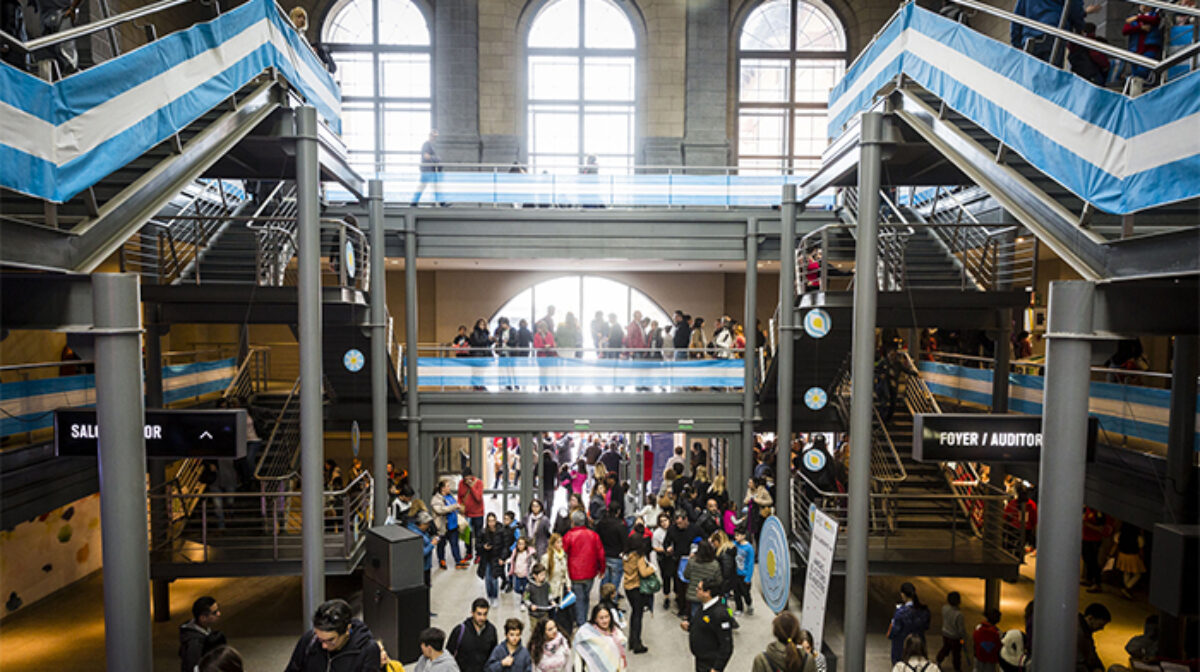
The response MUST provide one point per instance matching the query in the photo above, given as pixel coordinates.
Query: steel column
(1064, 464)
(421, 481)
(477, 455)
(528, 467)
(745, 458)
(784, 350)
(120, 414)
(160, 588)
(312, 425)
(862, 360)
(1181, 433)
(994, 523)
(379, 354)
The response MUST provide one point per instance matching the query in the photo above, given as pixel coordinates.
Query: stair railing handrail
(249, 378)
(76, 32)
(283, 436)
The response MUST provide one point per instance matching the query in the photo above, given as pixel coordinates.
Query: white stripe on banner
(1117, 156)
(84, 132)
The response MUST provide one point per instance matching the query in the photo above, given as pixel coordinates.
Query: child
(511, 532)
(987, 642)
(745, 571)
(608, 598)
(522, 560)
(537, 596)
(953, 631)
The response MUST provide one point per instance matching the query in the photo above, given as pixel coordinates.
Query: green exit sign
(474, 423)
(686, 423)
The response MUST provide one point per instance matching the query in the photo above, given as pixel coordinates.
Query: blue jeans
(614, 572)
(583, 592)
(519, 585)
(450, 537)
(489, 581)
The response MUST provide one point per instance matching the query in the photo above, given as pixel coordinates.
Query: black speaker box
(1175, 569)
(396, 618)
(394, 557)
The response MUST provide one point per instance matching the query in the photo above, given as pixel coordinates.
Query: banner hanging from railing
(572, 374)
(1119, 153)
(58, 139)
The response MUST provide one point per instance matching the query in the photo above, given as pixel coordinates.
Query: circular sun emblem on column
(815, 398)
(351, 261)
(353, 360)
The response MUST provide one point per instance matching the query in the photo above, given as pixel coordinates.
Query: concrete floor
(262, 619)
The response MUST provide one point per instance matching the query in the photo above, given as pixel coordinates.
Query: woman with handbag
(640, 584)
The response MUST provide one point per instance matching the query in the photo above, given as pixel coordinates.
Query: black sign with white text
(977, 437)
(170, 434)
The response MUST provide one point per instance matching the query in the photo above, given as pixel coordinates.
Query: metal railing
(258, 526)
(252, 375)
(281, 453)
(886, 464)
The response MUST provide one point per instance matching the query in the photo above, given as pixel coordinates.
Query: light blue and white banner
(572, 374)
(643, 189)
(1119, 153)
(29, 405)
(58, 139)
(1129, 410)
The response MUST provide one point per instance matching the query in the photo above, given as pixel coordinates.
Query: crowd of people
(641, 338)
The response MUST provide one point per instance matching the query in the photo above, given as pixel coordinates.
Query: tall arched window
(790, 54)
(581, 85)
(385, 72)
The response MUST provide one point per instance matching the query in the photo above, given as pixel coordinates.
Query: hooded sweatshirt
(443, 663)
(521, 660)
(194, 642)
(359, 654)
(775, 658)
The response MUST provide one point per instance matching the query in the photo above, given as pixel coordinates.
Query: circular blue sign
(814, 459)
(815, 398)
(353, 360)
(351, 262)
(774, 565)
(817, 323)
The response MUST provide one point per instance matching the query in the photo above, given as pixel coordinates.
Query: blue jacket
(426, 545)
(745, 560)
(1044, 11)
(521, 660)
(906, 621)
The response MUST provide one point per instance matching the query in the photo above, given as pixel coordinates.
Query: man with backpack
(472, 641)
(987, 642)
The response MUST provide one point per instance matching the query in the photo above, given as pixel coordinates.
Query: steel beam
(1181, 433)
(1064, 427)
(379, 354)
(862, 360)
(312, 434)
(784, 357)
(160, 589)
(120, 414)
(994, 523)
(744, 460)
(421, 481)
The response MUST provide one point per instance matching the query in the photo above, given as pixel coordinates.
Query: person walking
(710, 634)
(637, 568)
(701, 568)
(585, 561)
(470, 498)
(472, 641)
(986, 642)
(548, 649)
(492, 547)
(555, 561)
(612, 533)
(954, 631)
(445, 517)
(430, 168)
(537, 527)
(914, 657)
(198, 636)
(784, 654)
(510, 655)
(911, 617)
(599, 644)
(432, 642)
(338, 642)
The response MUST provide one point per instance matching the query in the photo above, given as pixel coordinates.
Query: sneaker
(442, 564)
(523, 608)
(749, 611)
(462, 564)
(640, 649)
(737, 613)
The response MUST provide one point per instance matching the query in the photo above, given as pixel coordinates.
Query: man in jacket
(1092, 620)
(681, 335)
(432, 641)
(585, 561)
(710, 637)
(612, 532)
(678, 544)
(197, 637)
(338, 642)
(1048, 12)
(472, 641)
(470, 498)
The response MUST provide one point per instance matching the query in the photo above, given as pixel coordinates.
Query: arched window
(385, 71)
(582, 296)
(581, 63)
(790, 54)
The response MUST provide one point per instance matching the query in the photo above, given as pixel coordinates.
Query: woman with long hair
(636, 567)
(727, 560)
(599, 644)
(702, 566)
(784, 654)
(480, 340)
(719, 492)
(914, 657)
(549, 649)
(537, 526)
(911, 618)
(555, 562)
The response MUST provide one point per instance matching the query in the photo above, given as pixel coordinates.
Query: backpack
(987, 644)
(916, 669)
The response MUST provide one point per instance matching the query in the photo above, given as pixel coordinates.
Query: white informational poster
(820, 566)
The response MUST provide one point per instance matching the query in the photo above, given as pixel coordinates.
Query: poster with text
(820, 566)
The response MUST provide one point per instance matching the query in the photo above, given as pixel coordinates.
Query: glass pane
(562, 293)
(553, 78)
(815, 31)
(405, 128)
(760, 166)
(608, 132)
(604, 296)
(515, 310)
(401, 162)
(649, 309)
(810, 136)
(358, 128)
(764, 80)
(400, 22)
(768, 27)
(606, 26)
(351, 25)
(761, 133)
(557, 25)
(405, 75)
(608, 78)
(356, 73)
(814, 79)
(363, 162)
(555, 131)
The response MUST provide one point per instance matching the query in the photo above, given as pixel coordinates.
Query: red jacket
(471, 498)
(585, 554)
